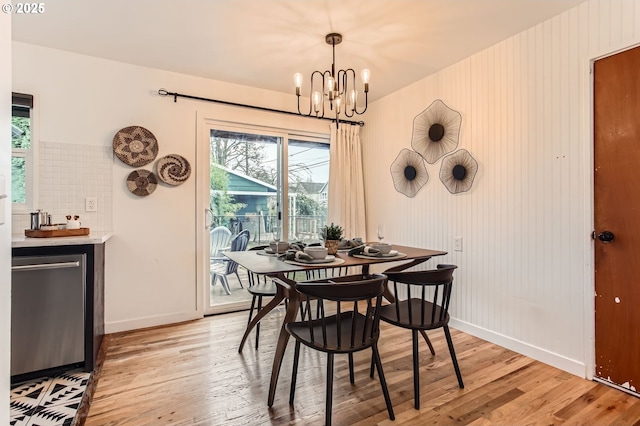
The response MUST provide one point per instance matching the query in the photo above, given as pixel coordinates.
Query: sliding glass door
(247, 189)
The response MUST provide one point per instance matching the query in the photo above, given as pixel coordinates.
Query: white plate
(344, 250)
(269, 251)
(330, 258)
(389, 255)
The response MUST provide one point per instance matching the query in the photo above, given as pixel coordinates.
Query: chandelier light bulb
(353, 99)
(317, 100)
(365, 74)
(338, 104)
(297, 78)
(331, 84)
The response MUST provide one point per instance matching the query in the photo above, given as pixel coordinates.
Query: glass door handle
(208, 218)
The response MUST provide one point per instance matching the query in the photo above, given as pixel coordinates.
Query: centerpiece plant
(332, 235)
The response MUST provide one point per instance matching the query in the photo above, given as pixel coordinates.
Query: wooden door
(617, 211)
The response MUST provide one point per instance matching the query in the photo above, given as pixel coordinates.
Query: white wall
(5, 230)
(151, 270)
(525, 276)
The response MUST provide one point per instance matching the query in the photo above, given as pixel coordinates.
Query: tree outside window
(20, 145)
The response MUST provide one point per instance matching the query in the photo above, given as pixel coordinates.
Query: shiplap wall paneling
(524, 270)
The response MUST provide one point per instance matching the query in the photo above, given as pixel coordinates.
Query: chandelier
(336, 89)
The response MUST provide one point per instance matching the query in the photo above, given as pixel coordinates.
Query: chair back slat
(339, 326)
(354, 313)
(410, 307)
(435, 303)
(397, 306)
(423, 306)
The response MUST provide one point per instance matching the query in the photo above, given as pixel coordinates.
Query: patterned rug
(48, 401)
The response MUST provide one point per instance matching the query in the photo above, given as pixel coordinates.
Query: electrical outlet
(457, 244)
(91, 204)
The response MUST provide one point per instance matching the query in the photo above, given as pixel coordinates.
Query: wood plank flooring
(192, 374)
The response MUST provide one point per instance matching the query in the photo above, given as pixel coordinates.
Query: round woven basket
(135, 146)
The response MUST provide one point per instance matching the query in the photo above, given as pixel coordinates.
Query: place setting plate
(346, 250)
(329, 260)
(393, 254)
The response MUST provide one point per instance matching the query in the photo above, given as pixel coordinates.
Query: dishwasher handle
(44, 266)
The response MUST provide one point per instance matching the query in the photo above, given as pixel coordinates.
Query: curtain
(346, 182)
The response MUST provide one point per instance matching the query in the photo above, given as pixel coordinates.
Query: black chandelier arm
(300, 112)
(344, 90)
(343, 81)
(366, 103)
(176, 95)
(321, 111)
(343, 76)
(325, 76)
(351, 112)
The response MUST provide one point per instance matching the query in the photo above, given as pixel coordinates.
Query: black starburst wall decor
(458, 170)
(409, 172)
(436, 131)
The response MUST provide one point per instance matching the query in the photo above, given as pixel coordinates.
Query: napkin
(297, 246)
(366, 250)
(296, 255)
(349, 244)
(300, 255)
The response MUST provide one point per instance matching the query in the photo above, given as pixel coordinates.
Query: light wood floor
(192, 374)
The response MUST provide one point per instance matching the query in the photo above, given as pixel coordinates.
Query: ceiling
(262, 43)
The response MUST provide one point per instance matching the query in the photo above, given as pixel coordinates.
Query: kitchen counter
(93, 238)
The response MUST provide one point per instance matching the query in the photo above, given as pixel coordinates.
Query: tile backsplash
(68, 173)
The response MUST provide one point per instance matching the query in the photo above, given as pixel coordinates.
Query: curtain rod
(163, 92)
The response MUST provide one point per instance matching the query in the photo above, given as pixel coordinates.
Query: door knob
(606, 236)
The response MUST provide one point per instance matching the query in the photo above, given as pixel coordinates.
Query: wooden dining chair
(260, 286)
(346, 331)
(422, 303)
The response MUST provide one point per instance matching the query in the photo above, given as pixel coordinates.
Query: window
(248, 183)
(21, 151)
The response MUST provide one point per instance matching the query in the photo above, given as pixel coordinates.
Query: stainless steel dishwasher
(47, 312)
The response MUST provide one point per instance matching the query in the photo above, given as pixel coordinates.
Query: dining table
(284, 272)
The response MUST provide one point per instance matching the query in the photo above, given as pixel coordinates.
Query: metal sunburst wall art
(436, 131)
(409, 173)
(458, 170)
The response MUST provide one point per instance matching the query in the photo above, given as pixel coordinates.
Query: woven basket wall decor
(135, 146)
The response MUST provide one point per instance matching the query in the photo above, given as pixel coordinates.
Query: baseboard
(569, 365)
(154, 321)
